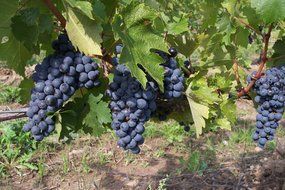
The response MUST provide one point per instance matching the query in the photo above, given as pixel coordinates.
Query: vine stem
(11, 117)
(56, 12)
(262, 63)
(248, 26)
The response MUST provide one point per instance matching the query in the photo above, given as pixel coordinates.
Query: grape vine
(122, 35)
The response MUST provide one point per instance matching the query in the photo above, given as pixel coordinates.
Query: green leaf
(14, 54)
(110, 7)
(241, 37)
(25, 93)
(83, 32)
(84, 6)
(270, 10)
(45, 23)
(202, 92)
(30, 16)
(98, 114)
(99, 10)
(178, 27)
(138, 41)
(224, 123)
(278, 57)
(183, 44)
(71, 117)
(6, 14)
(134, 14)
(8, 10)
(24, 32)
(229, 110)
(199, 114)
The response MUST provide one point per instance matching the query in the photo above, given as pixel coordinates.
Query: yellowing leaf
(224, 123)
(83, 32)
(199, 113)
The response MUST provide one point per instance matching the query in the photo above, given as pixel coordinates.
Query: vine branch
(56, 12)
(248, 26)
(11, 117)
(262, 63)
(12, 114)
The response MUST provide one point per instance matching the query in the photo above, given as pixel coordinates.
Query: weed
(129, 158)
(65, 164)
(195, 163)
(16, 149)
(241, 135)
(171, 131)
(9, 94)
(84, 162)
(41, 167)
(271, 146)
(162, 183)
(159, 153)
(103, 158)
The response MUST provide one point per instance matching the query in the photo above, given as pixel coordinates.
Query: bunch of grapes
(131, 107)
(56, 80)
(270, 90)
(173, 76)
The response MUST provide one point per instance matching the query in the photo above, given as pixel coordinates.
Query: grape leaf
(110, 7)
(138, 40)
(223, 123)
(99, 10)
(202, 92)
(28, 34)
(241, 37)
(25, 93)
(133, 14)
(83, 32)
(45, 23)
(84, 6)
(30, 16)
(98, 114)
(270, 10)
(14, 54)
(183, 44)
(199, 114)
(8, 10)
(178, 27)
(228, 109)
(278, 56)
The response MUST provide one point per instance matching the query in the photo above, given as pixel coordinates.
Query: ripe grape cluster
(56, 80)
(270, 90)
(131, 107)
(173, 76)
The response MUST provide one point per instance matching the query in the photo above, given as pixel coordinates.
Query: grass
(170, 131)
(84, 162)
(65, 163)
(241, 135)
(9, 94)
(16, 149)
(194, 163)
